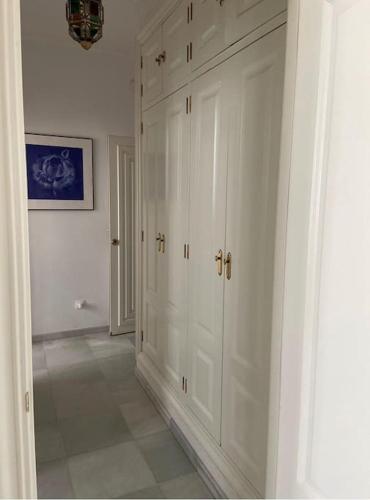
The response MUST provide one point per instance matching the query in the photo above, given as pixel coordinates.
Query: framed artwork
(59, 173)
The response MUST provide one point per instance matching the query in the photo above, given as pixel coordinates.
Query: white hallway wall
(71, 92)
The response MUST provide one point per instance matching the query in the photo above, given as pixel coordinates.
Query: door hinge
(186, 386)
(183, 383)
(141, 62)
(142, 236)
(27, 401)
(142, 90)
(142, 336)
(142, 128)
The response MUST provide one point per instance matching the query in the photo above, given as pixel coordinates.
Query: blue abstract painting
(54, 172)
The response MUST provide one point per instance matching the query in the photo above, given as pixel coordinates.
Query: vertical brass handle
(227, 263)
(159, 240)
(163, 243)
(218, 260)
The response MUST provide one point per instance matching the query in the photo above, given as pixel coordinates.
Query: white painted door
(255, 86)
(207, 239)
(243, 16)
(324, 432)
(209, 24)
(152, 67)
(176, 37)
(122, 231)
(154, 186)
(175, 272)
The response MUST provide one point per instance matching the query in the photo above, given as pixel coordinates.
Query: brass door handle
(158, 59)
(227, 262)
(159, 240)
(219, 261)
(163, 243)
(162, 56)
(115, 242)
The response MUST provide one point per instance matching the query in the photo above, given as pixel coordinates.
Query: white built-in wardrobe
(211, 77)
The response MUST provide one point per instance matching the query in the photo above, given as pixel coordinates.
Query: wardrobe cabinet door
(177, 129)
(175, 40)
(209, 23)
(243, 16)
(256, 77)
(154, 223)
(207, 238)
(152, 67)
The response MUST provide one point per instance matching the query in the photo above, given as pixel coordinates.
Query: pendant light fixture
(85, 20)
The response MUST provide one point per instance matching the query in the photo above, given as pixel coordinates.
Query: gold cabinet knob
(219, 262)
(227, 262)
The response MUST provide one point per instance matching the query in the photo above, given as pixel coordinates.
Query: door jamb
(17, 443)
(18, 472)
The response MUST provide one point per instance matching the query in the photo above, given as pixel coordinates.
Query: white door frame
(17, 444)
(17, 458)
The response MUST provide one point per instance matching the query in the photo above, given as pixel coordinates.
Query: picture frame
(59, 172)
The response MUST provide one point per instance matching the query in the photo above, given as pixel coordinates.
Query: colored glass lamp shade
(85, 20)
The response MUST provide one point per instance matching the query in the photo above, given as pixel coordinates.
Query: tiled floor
(98, 435)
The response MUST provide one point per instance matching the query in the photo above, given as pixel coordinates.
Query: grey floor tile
(132, 338)
(105, 346)
(189, 486)
(128, 390)
(110, 472)
(117, 369)
(49, 443)
(66, 352)
(154, 492)
(44, 408)
(165, 456)
(87, 433)
(38, 356)
(85, 373)
(142, 418)
(53, 480)
(78, 399)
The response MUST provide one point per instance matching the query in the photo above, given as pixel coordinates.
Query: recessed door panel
(209, 24)
(177, 129)
(244, 16)
(154, 223)
(207, 237)
(152, 73)
(176, 37)
(256, 84)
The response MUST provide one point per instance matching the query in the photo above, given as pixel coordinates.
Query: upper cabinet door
(177, 129)
(243, 16)
(152, 74)
(175, 41)
(207, 240)
(256, 89)
(154, 182)
(208, 25)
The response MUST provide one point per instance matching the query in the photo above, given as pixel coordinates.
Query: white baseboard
(69, 333)
(217, 470)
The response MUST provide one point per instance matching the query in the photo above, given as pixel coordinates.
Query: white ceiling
(44, 20)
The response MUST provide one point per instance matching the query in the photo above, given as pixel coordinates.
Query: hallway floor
(98, 435)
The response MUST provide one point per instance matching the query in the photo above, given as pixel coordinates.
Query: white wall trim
(280, 242)
(17, 454)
